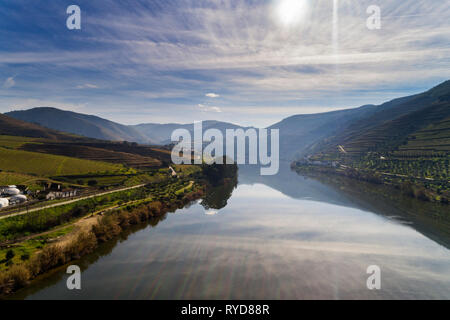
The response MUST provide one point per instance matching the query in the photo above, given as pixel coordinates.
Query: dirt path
(341, 148)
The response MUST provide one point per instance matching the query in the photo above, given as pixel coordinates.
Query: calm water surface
(282, 237)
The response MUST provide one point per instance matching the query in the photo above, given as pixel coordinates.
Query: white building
(61, 194)
(17, 199)
(11, 191)
(11, 195)
(4, 202)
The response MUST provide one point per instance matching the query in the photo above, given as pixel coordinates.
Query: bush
(19, 276)
(107, 228)
(84, 244)
(50, 257)
(13, 279)
(92, 183)
(10, 254)
(25, 257)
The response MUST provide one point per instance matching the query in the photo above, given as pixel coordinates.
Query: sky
(250, 62)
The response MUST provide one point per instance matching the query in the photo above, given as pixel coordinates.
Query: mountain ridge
(81, 124)
(300, 135)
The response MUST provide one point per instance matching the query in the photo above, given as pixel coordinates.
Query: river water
(281, 237)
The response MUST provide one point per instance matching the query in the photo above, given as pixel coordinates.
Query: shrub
(92, 183)
(107, 228)
(155, 207)
(10, 254)
(50, 257)
(123, 218)
(18, 276)
(25, 256)
(85, 243)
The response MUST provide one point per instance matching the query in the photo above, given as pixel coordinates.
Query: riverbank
(87, 236)
(422, 189)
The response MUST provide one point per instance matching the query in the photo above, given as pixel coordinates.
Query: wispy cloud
(9, 83)
(168, 53)
(206, 108)
(87, 86)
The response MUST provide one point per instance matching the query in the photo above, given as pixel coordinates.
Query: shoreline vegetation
(83, 242)
(37, 243)
(427, 190)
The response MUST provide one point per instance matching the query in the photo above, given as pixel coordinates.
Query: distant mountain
(360, 129)
(302, 132)
(161, 133)
(13, 127)
(396, 124)
(80, 124)
(99, 128)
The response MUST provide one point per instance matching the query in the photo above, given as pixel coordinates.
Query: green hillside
(406, 141)
(50, 165)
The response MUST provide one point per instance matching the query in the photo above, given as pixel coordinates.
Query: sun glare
(291, 12)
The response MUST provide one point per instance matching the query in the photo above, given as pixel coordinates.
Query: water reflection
(216, 197)
(283, 237)
(431, 219)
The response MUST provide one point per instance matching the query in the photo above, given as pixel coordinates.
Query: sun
(290, 12)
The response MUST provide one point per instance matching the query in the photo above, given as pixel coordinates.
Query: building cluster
(56, 191)
(52, 195)
(11, 195)
(319, 163)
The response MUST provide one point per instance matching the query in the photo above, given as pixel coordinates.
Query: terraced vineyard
(434, 140)
(41, 164)
(406, 141)
(93, 153)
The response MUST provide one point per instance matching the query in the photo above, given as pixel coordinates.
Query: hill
(300, 133)
(405, 143)
(103, 129)
(25, 136)
(80, 124)
(393, 125)
(14, 127)
(41, 164)
(358, 130)
(161, 133)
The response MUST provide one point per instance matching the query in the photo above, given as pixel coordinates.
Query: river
(280, 237)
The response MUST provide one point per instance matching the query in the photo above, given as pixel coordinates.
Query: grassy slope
(50, 165)
(44, 140)
(106, 168)
(93, 153)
